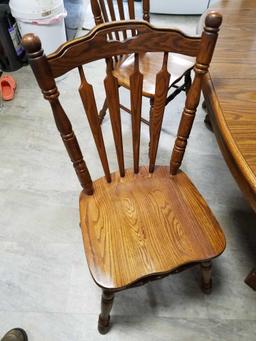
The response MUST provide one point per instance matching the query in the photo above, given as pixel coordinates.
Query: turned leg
(207, 120)
(103, 111)
(206, 277)
(150, 120)
(188, 81)
(104, 317)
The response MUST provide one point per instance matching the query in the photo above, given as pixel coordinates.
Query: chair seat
(144, 225)
(150, 64)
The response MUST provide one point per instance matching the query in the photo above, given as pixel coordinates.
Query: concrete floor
(45, 286)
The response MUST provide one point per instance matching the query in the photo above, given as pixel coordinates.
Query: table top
(230, 91)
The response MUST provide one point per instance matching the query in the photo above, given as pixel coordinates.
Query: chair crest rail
(147, 39)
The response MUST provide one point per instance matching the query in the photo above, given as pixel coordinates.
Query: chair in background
(144, 223)
(179, 66)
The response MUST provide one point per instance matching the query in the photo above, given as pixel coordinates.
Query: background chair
(179, 65)
(147, 222)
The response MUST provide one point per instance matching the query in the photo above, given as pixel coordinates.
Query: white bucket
(45, 18)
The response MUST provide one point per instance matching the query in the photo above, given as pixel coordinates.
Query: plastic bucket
(45, 18)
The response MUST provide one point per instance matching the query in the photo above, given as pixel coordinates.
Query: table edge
(239, 168)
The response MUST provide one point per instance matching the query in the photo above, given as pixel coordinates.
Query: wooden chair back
(97, 45)
(107, 11)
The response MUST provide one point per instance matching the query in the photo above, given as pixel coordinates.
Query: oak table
(230, 95)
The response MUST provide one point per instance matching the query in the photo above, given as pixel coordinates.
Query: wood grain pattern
(131, 9)
(131, 13)
(89, 103)
(103, 9)
(235, 159)
(121, 9)
(111, 87)
(136, 82)
(203, 59)
(112, 15)
(46, 82)
(179, 64)
(148, 39)
(97, 12)
(121, 14)
(230, 93)
(140, 226)
(146, 224)
(150, 65)
(157, 112)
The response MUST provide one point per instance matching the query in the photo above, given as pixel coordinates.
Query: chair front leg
(106, 306)
(206, 277)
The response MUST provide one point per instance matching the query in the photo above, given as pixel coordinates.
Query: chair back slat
(136, 85)
(112, 94)
(97, 46)
(111, 10)
(121, 14)
(90, 107)
(145, 9)
(131, 12)
(103, 9)
(107, 7)
(157, 112)
(97, 12)
(100, 14)
(113, 15)
(131, 9)
(120, 5)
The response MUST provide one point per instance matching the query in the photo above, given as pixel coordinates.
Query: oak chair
(181, 66)
(147, 222)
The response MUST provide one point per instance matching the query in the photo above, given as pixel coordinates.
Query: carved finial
(213, 21)
(32, 44)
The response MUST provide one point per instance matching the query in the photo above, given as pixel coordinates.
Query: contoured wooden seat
(143, 223)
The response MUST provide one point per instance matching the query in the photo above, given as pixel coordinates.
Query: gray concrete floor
(45, 286)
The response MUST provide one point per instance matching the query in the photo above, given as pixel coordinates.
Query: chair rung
(129, 112)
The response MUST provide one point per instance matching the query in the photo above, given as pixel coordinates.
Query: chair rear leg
(188, 81)
(206, 277)
(103, 111)
(106, 306)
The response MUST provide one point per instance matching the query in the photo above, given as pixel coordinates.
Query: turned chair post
(208, 41)
(46, 82)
